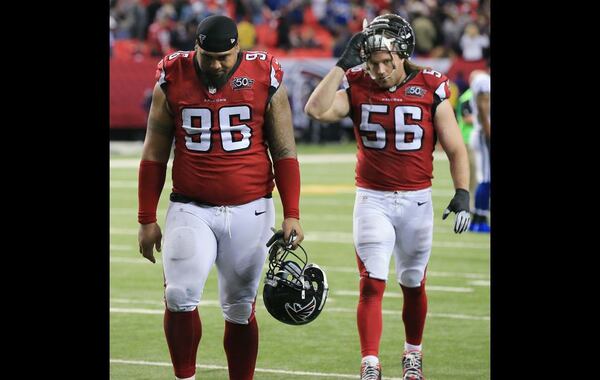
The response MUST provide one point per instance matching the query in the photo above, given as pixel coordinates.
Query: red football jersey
(220, 150)
(394, 129)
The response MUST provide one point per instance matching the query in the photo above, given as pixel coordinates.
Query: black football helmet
(388, 32)
(294, 291)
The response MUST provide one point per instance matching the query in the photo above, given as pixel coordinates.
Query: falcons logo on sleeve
(299, 313)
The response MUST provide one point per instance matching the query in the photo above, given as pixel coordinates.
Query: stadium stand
(143, 31)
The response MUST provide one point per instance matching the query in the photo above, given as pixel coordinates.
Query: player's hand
(459, 205)
(149, 236)
(292, 232)
(351, 56)
(294, 235)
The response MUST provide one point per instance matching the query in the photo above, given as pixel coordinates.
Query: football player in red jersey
(224, 109)
(399, 111)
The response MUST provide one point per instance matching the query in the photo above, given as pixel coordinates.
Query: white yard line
(264, 370)
(210, 303)
(307, 189)
(337, 237)
(334, 218)
(120, 247)
(480, 279)
(132, 260)
(388, 294)
(131, 163)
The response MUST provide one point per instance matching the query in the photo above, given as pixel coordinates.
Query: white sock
(193, 377)
(410, 347)
(373, 360)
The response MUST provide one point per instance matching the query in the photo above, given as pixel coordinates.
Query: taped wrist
(287, 178)
(151, 179)
(461, 197)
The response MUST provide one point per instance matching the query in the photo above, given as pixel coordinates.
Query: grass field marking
(120, 247)
(264, 370)
(136, 311)
(339, 217)
(337, 237)
(132, 260)
(343, 269)
(328, 309)
(388, 294)
(330, 158)
(458, 274)
(160, 303)
(143, 302)
(307, 189)
(429, 315)
(481, 278)
(129, 163)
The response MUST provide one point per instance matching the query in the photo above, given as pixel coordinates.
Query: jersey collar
(209, 85)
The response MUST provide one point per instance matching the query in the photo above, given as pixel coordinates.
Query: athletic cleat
(369, 371)
(484, 228)
(412, 365)
(474, 227)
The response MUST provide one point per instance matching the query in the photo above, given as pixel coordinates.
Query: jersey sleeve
(351, 76)
(271, 65)
(275, 73)
(438, 83)
(168, 65)
(442, 88)
(160, 75)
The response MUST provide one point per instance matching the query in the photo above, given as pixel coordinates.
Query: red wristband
(151, 180)
(287, 178)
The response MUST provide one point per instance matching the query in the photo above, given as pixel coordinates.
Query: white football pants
(231, 237)
(398, 222)
(480, 151)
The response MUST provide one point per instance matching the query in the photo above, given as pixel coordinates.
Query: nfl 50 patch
(415, 91)
(239, 83)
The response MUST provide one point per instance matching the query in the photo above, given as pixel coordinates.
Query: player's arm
(160, 129)
(450, 137)
(483, 112)
(327, 103)
(152, 171)
(279, 133)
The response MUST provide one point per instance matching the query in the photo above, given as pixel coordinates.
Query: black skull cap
(217, 34)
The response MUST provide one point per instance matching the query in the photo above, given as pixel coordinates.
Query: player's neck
(404, 76)
(401, 77)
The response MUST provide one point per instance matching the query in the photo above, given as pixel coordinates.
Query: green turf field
(457, 333)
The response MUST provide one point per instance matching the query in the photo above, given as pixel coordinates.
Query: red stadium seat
(266, 36)
(129, 80)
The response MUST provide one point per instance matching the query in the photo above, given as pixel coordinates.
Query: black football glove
(459, 205)
(351, 56)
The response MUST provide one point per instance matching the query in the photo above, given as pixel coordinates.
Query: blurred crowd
(443, 28)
